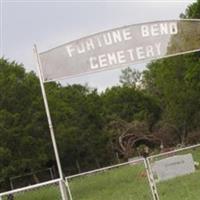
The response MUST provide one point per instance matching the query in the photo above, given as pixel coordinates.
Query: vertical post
(11, 184)
(151, 180)
(117, 156)
(68, 189)
(78, 166)
(51, 129)
(51, 173)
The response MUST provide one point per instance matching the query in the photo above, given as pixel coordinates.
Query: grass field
(124, 183)
(184, 187)
(102, 186)
(44, 193)
(181, 188)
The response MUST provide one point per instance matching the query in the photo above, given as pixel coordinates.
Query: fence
(166, 176)
(32, 178)
(119, 182)
(48, 190)
(176, 174)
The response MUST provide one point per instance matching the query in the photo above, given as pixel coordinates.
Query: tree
(169, 80)
(130, 77)
(129, 104)
(77, 115)
(79, 123)
(128, 137)
(175, 83)
(192, 11)
(24, 140)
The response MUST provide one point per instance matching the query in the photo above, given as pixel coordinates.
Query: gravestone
(173, 167)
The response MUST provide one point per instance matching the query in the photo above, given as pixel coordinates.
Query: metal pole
(51, 173)
(149, 179)
(152, 180)
(68, 188)
(64, 197)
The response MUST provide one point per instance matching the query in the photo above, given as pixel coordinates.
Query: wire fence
(167, 176)
(44, 191)
(127, 181)
(32, 178)
(176, 174)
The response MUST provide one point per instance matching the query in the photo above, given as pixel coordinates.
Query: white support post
(62, 188)
(68, 188)
(151, 180)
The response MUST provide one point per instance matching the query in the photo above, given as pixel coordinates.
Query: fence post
(117, 157)
(151, 180)
(63, 190)
(78, 166)
(51, 173)
(68, 188)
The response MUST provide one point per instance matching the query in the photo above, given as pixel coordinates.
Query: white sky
(49, 24)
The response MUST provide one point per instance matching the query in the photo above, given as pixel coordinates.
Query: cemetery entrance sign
(121, 46)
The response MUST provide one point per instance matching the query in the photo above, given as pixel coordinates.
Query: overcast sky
(49, 24)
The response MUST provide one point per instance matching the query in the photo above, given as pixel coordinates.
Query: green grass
(185, 187)
(44, 193)
(124, 183)
(127, 184)
(181, 188)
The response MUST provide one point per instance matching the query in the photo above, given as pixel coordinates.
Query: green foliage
(175, 83)
(130, 77)
(21, 121)
(193, 11)
(130, 104)
(80, 117)
(77, 116)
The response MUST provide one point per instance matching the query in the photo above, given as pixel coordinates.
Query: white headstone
(172, 167)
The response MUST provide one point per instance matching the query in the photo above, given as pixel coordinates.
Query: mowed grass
(181, 188)
(185, 187)
(123, 183)
(44, 193)
(128, 183)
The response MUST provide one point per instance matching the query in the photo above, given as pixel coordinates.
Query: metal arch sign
(119, 47)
